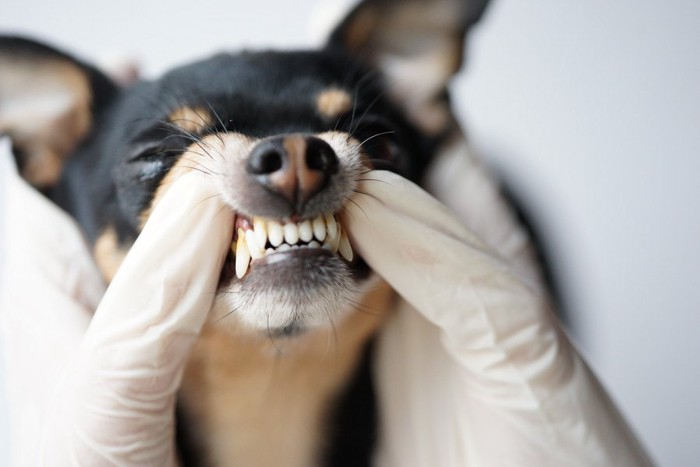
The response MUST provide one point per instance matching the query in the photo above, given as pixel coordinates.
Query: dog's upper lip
(257, 238)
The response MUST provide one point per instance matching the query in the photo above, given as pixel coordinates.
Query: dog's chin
(287, 293)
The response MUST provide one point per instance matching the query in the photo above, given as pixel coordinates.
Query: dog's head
(285, 136)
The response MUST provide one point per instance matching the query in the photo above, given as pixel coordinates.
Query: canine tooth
(344, 247)
(254, 247)
(331, 226)
(260, 231)
(275, 233)
(331, 243)
(306, 232)
(291, 233)
(319, 227)
(314, 244)
(242, 255)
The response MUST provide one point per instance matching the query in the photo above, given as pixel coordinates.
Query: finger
(422, 249)
(120, 396)
(467, 188)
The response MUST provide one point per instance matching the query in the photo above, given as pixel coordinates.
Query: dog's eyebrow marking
(191, 119)
(333, 102)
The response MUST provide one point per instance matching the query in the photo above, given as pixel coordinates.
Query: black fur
(256, 94)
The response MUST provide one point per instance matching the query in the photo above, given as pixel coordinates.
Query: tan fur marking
(193, 120)
(332, 103)
(45, 108)
(268, 400)
(109, 254)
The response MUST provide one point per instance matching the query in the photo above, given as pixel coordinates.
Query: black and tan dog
(279, 376)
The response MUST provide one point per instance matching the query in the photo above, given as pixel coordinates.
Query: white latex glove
(100, 390)
(474, 369)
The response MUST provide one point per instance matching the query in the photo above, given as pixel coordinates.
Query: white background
(590, 109)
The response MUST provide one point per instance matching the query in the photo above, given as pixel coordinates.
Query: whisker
(377, 135)
(364, 114)
(333, 332)
(271, 337)
(371, 179)
(350, 200)
(216, 321)
(216, 114)
(364, 308)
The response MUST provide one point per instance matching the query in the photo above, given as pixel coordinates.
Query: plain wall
(591, 110)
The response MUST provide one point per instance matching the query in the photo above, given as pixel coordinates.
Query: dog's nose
(295, 166)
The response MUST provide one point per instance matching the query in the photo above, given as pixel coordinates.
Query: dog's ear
(47, 103)
(418, 46)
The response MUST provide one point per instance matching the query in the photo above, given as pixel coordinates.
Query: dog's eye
(145, 153)
(153, 152)
(152, 160)
(150, 163)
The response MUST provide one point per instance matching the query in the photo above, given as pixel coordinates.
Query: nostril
(320, 156)
(294, 168)
(266, 159)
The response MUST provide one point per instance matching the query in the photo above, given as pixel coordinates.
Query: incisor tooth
(242, 255)
(306, 232)
(291, 233)
(344, 247)
(331, 226)
(275, 233)
(260, 231)
(253, 246)
(319, 227)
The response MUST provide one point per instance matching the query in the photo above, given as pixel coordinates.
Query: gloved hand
(474, 370)
(96, 390)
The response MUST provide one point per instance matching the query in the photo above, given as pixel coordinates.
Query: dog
(281, 374)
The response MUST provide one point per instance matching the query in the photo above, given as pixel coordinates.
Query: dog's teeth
(344, 247)
(291, 233)
(331, 226)
(306, 232)
(331, 242)
(260, 231)
(253, 246)
(275, 233)
(319, 228)
(322, 232)
(242, 255)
